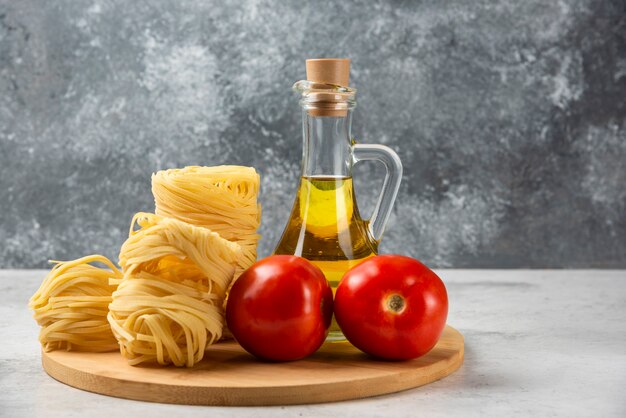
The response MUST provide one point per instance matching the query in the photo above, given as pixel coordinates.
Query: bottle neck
(327, 146)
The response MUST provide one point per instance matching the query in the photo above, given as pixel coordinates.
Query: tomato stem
(395, 303)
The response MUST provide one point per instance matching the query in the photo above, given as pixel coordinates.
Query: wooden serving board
(230, 376)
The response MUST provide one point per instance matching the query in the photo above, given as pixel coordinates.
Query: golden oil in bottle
(325, 228)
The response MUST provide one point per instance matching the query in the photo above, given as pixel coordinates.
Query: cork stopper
(334, 71)
(329, 71)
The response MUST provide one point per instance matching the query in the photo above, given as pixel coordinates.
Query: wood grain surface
(230, 376)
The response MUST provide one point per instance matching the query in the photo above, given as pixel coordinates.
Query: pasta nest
(168, 305)
(71, 305)
(222, 198)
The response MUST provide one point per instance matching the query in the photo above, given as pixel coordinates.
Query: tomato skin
(364, 315)
(280, 309)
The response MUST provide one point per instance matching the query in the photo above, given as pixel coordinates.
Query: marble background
(509, 116)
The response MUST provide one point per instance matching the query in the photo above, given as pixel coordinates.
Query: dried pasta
(165, 304)
(221, 198)
(168, 305)
(71, 305)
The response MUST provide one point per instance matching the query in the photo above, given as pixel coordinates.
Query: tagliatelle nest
(221, 198)
(71, 305)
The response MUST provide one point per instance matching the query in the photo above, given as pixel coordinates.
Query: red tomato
(391, 306)
(280, 308)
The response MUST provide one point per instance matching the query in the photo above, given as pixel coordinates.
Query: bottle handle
(393, 165)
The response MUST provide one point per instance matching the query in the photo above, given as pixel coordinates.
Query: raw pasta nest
(168, 306)
(71, 305)
(222, 198)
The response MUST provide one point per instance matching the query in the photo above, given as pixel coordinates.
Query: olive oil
(325, 228)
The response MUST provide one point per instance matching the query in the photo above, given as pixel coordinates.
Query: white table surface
(537, 343)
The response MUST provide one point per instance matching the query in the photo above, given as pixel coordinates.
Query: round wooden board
(230, 376)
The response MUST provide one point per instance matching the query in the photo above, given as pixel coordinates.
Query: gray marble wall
(509, 117)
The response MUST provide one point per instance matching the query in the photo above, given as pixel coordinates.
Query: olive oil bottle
(325, 226)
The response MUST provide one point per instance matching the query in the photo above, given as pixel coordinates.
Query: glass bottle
(325, 226)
